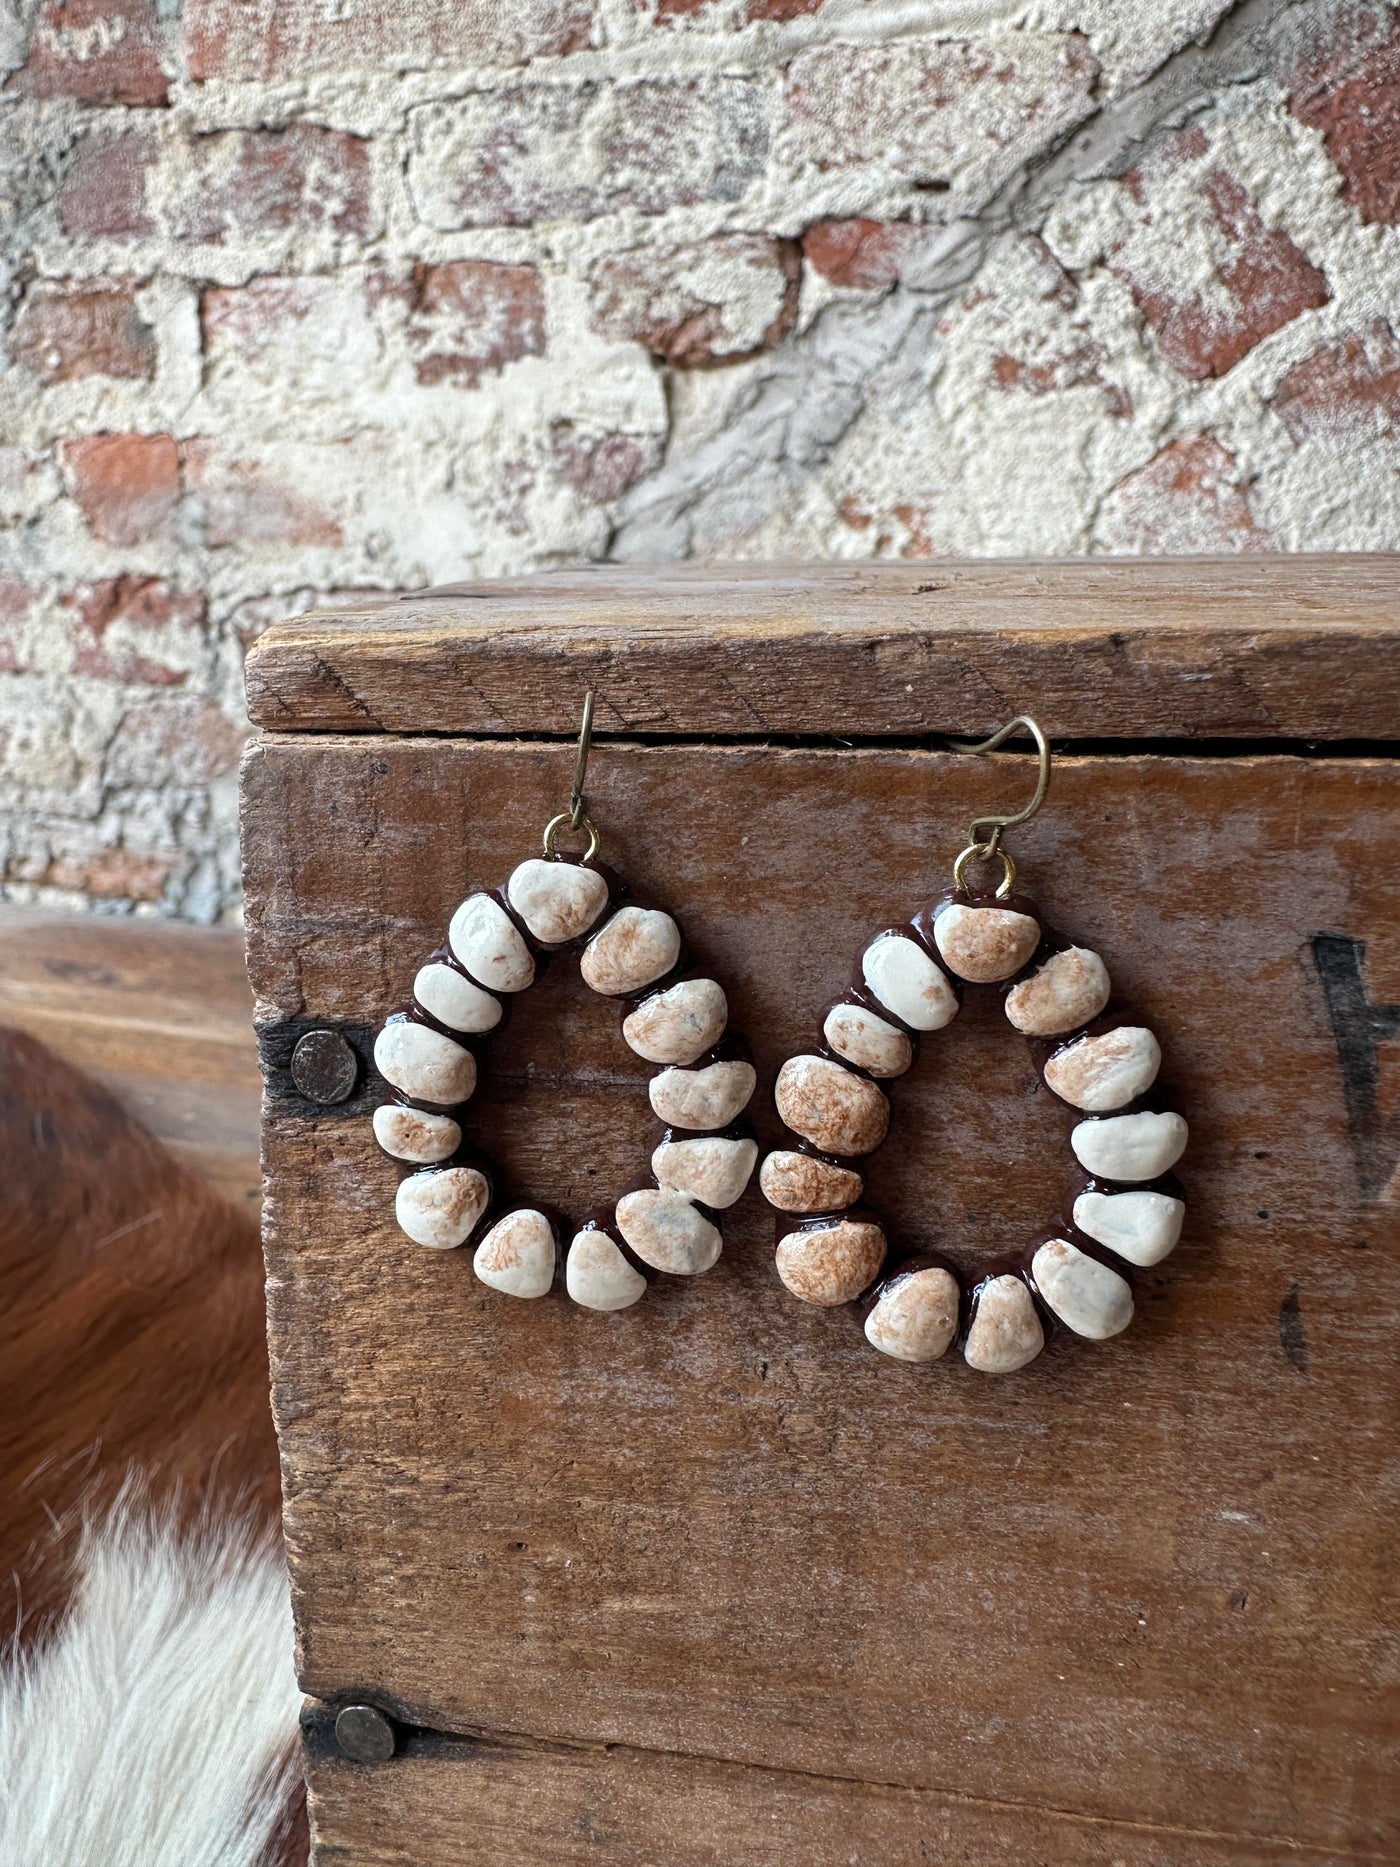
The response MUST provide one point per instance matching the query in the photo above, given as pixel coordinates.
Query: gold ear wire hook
(585, 741)
(576, 817)
(986, 832)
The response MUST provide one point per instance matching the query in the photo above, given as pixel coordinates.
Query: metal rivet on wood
(325, 1067)
(364, 1734)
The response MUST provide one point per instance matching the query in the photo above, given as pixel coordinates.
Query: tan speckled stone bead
(985, 945)
(424, 1064)
(795, 1182)
(713, 1169)
(517, 1255)
(1141, 1226)
(869, 1042)
(597, 1275)
(831, 1264)
(635, 947)
(409, 1134)
(1070, 989)
(897, 969)
(708, 1098)
(455, 1001)
(1087, 1296)
(557, 901)
(829, 1106)
(679, 1024)
(1105, 1072)
(441, 1209)
(916, 1317)
(1006, 1333)
(490, 945)
(666, 1231)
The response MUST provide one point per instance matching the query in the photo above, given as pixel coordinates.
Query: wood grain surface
(833, 1608)
(1266, 647)
(159, 1014)
(455, 1803)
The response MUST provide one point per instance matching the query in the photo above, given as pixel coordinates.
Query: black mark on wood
(1360, 1028)
(1290, 1331)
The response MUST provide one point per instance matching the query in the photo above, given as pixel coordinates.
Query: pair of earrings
(1123, 1204)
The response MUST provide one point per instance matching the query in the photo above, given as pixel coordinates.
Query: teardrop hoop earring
(674, 1016)
(1123, 1206)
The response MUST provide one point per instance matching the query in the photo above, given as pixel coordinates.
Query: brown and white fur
(147, 1701)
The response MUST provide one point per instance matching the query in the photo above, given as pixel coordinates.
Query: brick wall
(306, 297)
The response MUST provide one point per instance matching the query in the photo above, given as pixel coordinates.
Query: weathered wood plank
(451, 1803)
(1285, 647)
(1142, 1582)
(160, 1014)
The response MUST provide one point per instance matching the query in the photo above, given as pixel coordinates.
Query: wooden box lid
(1215, 648)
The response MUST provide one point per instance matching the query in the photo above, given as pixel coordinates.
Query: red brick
(96, 51)
(250, 319)
(187, 737)
(1347, 86)
(471, 316)
(300, 180)
(601, 467)
(941, 114)
(710, 302)
(128, 485)
(1081, 366)
(509, 158)
(1189, 500)
(1348, 389)
(865, 254)
(110, 874)
(122, 622)
(1263, 280)
(296, 38)
(103, 191)
(243, 503)
(83, 327)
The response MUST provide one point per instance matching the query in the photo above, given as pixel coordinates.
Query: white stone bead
(908, 982)
(557, 901)
(829, 1106)
(869, 1042)
(831, 1264)
(1141, 1227)
(1006, 1333)
(1070, 989)
(715, 1171)
(423, 1063)
(597, 1276)
(517, 1255)
(916, 1317)
(679, 1024)
(409, 1134)
(1086, 1296)
(668, 1232)
(442, 1209)
(796, 1182)
(1130, 1147)
(455, 1001)
(636, 946)
(490, 945)
(985, 945)
(708, 1098)
(1105, 1072)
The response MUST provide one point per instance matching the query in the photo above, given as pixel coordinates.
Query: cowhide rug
(148, 1706)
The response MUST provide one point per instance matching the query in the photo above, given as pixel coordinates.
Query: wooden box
(707, 1581)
